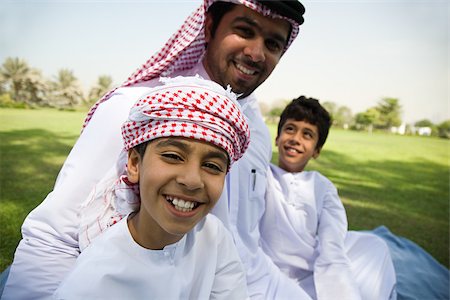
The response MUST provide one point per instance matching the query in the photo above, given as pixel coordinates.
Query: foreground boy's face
(245, 48)
(297, 145)
(180, 181)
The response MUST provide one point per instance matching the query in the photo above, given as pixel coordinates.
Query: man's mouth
(244, 69)
(182, 205)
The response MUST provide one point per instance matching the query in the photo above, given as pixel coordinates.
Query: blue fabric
(3, 278)
(419, 275)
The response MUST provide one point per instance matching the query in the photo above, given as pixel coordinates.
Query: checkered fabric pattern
(189, 107)
(184, 49)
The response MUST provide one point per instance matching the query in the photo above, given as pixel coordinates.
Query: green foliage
(424, 123)
(444, 129)
(397, 181)
(104, 84)
(390, 110)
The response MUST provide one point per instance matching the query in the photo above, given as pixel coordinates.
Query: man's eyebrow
(275, 35)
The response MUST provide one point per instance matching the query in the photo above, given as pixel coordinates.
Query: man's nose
(255, 50)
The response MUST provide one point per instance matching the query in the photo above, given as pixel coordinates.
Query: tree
(343, 116)
(424, 123)
(24, 84)
(102, 86)
(390, 110)
(367, 119)
(65, 89)
(331, 108)
(444, 129)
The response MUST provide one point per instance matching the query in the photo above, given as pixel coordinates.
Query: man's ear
(208, 27)
(133, 165)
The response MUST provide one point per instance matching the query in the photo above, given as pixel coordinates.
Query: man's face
(245, 48)
(180, 181)
(296, 144)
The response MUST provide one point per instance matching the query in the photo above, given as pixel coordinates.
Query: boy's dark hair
(217, 10)
(140, 148)
(308, 110)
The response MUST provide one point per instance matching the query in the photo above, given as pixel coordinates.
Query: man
(244, 43)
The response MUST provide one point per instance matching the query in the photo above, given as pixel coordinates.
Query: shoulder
(319, 179)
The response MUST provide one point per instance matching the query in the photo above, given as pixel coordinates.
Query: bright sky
(350, 52)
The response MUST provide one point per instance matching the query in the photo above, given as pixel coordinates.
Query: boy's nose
(190, 178)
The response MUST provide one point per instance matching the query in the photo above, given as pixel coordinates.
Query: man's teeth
(244, 70)
(181, 205)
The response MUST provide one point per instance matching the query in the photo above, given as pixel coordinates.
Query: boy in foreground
(304, 229)
(158, 240)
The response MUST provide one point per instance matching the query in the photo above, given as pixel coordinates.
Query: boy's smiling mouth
(291, 150)
(182, 205)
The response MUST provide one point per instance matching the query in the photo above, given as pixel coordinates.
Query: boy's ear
(276, 141)
(316, 153)
(208, 26)
(134, 160)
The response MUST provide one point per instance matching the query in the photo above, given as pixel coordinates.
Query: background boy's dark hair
(308, 110)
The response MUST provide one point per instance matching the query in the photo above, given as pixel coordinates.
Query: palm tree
(13, 75)
(102, 86)
(66, 89)
(24, 84)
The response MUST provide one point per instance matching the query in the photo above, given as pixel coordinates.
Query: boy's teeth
(182, 205)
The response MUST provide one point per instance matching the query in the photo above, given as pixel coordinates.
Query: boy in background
(158, 240)
(304, 229)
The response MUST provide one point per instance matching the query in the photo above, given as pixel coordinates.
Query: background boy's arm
(332, 274)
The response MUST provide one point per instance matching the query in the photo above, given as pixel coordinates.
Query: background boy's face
(245, 48)
(180, 181)
(296, 144)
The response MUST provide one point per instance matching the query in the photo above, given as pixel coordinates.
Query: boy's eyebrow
(173, 142)
(218, 154)
(250, 22)
(185, 147)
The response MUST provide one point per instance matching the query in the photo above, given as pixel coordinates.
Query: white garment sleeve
(333, 277)
(229, 281)
(49, 245)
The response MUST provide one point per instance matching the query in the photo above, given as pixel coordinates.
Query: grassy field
(400, 182)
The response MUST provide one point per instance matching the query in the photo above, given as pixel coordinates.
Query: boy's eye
(215, 168)
(289, 129)
(309, 134)
(172, 156)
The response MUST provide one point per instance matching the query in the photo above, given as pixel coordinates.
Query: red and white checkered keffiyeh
(189, 107)
(185, 48)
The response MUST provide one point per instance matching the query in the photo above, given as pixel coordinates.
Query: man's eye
(274, 46)
(245, 32)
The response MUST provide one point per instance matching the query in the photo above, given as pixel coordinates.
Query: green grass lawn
(400, 182)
